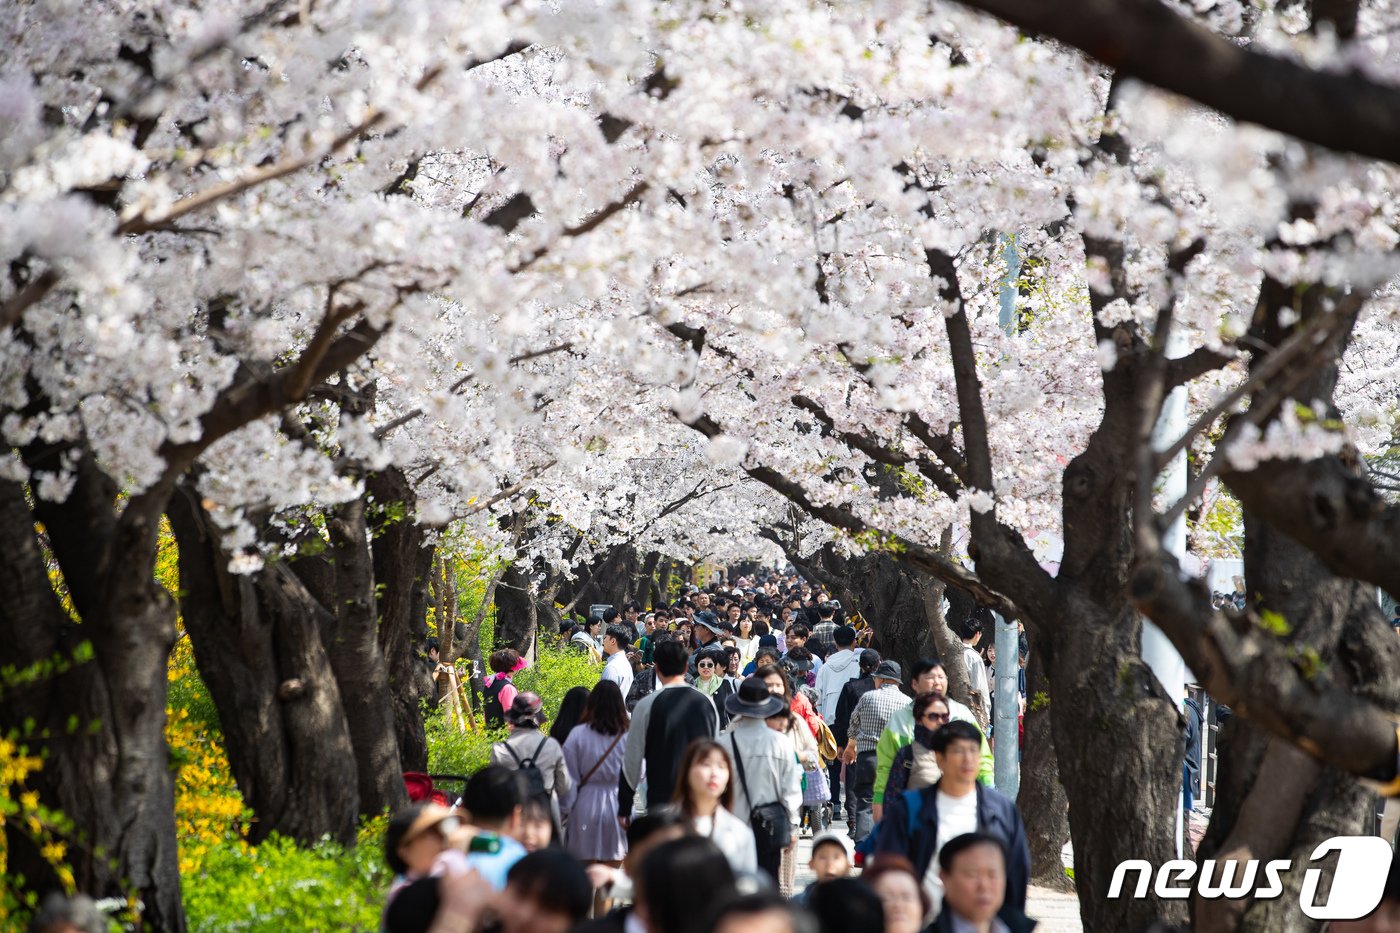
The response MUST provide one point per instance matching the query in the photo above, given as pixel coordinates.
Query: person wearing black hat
(707, 632)
(768, 784)
(868, 720)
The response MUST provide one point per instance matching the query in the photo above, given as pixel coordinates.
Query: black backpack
(534, 777)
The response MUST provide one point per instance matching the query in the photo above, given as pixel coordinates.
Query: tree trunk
(516, 612)
(662, 591)
(359, 665)
(257, 645)
(100, 727)
(401, 565)
(1278, 802)
(1041, 799)
(1119, 744)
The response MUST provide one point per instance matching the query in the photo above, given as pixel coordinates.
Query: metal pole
(1157, 650)
(1006, 734)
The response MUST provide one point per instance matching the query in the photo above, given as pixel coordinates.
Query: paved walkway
(1057, 912)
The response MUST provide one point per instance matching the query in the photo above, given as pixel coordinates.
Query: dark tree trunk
(352, 641)
(99, 726)
(516, 614)
(257, 644)
(1041, 799)
(662, 589)
(644, 581)
(401, 565)
(1276, 801)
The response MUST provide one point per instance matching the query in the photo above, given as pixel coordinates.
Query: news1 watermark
(1357, 883)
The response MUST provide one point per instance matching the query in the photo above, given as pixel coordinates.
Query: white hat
(841, 839)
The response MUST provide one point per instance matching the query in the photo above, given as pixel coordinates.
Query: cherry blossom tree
(317, 281)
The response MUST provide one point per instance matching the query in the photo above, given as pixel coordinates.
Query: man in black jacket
(973, 869)
(663, 724)
(851, 692)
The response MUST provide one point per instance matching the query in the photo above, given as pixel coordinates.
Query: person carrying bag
(770, 778)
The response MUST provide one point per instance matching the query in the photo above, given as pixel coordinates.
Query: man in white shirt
(970, 631)
(618, 669)
(917, 823)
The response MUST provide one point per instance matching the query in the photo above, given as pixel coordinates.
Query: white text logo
(1357, 885)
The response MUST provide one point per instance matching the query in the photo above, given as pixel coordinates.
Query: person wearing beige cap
(416, 844)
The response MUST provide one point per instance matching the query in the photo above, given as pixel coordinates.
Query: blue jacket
(996, 815)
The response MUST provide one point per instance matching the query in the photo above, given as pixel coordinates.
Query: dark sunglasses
(936, 717)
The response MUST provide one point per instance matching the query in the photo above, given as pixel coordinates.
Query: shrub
(279, 886)
(557, 672)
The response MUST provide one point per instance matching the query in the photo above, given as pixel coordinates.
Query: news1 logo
(1357, 884)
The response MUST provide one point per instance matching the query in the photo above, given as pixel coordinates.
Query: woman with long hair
(746, 640)
(704, 794)
(570, 714)
(593, 754)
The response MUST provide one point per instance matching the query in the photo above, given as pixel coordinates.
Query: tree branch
(1331, 510)
(587, 226)
(1262, 677)
(941, 479)
(1195, 364)
(925, 558)
(1146, 39)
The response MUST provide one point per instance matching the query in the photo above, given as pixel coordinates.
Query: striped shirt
(873, 712)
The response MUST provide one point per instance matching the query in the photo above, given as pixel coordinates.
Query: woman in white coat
(704, 795)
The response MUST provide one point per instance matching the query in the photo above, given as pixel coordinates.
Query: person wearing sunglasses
(914, 767)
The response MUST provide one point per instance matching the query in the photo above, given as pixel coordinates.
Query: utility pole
(1157, 650)
(1007, 734)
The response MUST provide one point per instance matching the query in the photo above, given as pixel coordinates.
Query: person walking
(872, 712)
(914, 766)
(705, 797)
(928, 676)
(618, 668)
(841, 667)
(498, 693)
(973, 871)
(918, 822)
(663, 724)
(769, 792)
(536, 755)
(970, 631)
(593, 754)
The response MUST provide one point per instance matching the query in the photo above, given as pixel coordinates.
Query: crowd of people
(671, 795)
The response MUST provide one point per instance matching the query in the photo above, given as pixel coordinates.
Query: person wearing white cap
(833, 856)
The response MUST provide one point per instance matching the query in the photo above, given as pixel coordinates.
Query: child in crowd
(833, 856)
(536, 824)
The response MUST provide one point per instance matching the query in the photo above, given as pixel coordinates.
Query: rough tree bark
(1041, 799)
(110, 775)
(257, 645)
(1276, 799)
(401, 566)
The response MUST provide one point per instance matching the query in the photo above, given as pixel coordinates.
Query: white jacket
(771, 771)
(841, 667)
